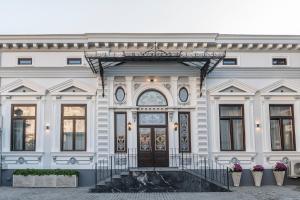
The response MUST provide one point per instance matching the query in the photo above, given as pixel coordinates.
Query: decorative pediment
(22, 87)
(232, 87)
(72, 87)
(281, 87)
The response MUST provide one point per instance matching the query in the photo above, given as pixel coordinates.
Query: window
(183, 94)
(184, 132)
(120, 94)
(74, 61)
(282, 128)
(230, 61)
(73, 128)
(23, 127)
(120, 132)
(279, 61)
(232, 127)
(152, 98)
(24, 61)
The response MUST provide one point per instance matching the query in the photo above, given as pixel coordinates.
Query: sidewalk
(242, 193)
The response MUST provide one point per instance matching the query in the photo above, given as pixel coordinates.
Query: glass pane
(152, 118)
(184, 132)
(17, 134)
(121, 131)
(183, 94)
(225, 135)
(21, 111)
(120, 94)
(30, 135)
(238, 134)
(288, 134)
(80, 135)
(145, 139)
(68, 135)
(74, 111)
(152, 98)
(160, 139)
(275, 134)
(283, 110)
(231, 111)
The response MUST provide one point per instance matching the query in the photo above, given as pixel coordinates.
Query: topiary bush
(43, 172)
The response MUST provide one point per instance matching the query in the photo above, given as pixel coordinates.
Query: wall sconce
(257, 125)
(175, 126)
(47, 127)
(129, 126)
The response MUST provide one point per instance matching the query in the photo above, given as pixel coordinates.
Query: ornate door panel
(153, 140)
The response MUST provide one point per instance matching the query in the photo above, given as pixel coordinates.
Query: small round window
(120, 94)
(183, 94)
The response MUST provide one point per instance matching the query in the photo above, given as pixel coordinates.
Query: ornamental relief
(120, 93)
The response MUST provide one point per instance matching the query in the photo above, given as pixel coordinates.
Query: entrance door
(152, 140)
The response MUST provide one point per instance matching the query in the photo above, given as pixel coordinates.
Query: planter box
(45, 181)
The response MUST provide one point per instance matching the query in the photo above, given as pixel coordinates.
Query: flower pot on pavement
(279, 170)
(257, 173)
(257, 177)
(279, 177)
(236, 178)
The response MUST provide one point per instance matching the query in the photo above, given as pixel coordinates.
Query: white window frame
(70, 57)
(280, 56)
(23, 57)
(237, 61)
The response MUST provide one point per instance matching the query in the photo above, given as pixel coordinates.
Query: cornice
(182, 41)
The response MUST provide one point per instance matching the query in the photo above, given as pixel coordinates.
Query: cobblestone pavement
(242, 193)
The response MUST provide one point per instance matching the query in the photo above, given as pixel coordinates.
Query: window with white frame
(232, 135)
(230, 61)
(279, 61)
(73, 128)
(23, 127)
(282, 128)
(74, 61)
(24, 61)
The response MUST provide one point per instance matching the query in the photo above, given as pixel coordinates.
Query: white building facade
(55, 113)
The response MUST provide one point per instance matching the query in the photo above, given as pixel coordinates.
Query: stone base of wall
(87, 178)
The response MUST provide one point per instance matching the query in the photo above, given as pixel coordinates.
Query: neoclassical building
(70, 101)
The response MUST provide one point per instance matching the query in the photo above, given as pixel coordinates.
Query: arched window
(152, 98)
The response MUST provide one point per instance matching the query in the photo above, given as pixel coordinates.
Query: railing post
(111, 168)
(128, 163)
(181, 159)
(96, 174)
(205, 168)
(227, 171)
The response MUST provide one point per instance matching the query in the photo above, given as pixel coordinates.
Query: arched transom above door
(152, 97)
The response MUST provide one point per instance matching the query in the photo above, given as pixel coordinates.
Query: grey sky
(203, 16)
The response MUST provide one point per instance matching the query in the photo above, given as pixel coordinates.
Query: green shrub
(42, 172)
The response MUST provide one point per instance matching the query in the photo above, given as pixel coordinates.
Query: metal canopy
(204, 61)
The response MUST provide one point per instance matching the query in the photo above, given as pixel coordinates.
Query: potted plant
(236, 173)
(279, 170)
(257, 173)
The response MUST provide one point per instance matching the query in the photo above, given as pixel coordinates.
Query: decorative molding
(84, 90)
(30, 89)
(269, 90)
(242, 89)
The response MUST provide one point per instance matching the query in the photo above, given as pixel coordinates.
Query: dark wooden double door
(152, 138)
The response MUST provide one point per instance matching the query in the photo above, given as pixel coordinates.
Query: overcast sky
(201, 16)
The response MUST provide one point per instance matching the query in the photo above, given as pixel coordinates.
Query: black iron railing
(199, 165)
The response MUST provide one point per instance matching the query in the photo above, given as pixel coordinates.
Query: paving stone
(242, 193)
